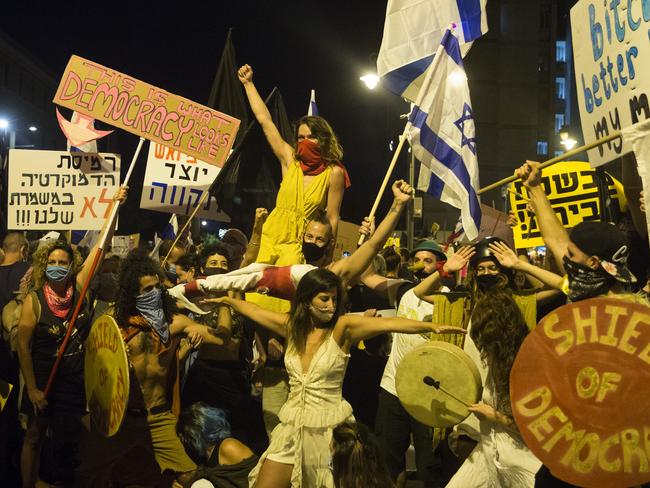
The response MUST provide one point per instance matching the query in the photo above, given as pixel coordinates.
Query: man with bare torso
(147, 444)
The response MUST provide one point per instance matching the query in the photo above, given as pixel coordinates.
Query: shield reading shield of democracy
(436, 382)
(579, 389)
(106, 376)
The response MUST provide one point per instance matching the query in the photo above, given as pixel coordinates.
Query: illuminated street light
(32, 128)
(4, 124)
(204, 223)
(569, 143)
(371, 80)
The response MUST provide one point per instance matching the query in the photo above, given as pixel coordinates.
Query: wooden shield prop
(580, 390)
(435, 382)
(106, 376)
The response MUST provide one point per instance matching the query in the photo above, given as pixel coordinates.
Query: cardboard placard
(571, 188)
(346, 239)
(174, 183)
(579, 392)
(611, 51)
(147, 111)
(60, 190)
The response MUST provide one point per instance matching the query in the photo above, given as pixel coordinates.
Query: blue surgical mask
(171, 272)
(150, 305)
(57, 274)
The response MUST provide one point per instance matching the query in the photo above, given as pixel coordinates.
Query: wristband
(440, 268)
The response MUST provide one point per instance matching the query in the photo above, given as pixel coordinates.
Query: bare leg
(274, 475)
(30, 455)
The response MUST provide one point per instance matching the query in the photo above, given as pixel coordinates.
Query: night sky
(297, 46)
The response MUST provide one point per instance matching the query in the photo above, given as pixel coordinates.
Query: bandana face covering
(309, 154)
(150, 305)
(171, 273)
(585, 282)
(323, 315)
(312, 251)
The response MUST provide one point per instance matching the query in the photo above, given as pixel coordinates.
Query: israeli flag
(312, 109)
(413, 29)
(442, 135)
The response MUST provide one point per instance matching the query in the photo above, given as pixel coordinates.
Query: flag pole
(389, 172)
(84, 289)
(556, 159)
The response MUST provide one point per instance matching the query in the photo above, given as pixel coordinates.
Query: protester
(55, 284)
(313, 178)
(319, 342)
(357, 461)
(172, 252)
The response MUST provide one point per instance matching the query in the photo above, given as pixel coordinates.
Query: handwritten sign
(579, 392)
(175, 182)
(138, 107)
(572, 190)
(611, 53)
(106, 376)
(60, 190)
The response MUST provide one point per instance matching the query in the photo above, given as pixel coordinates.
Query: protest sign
(60, 190)
(175, 182)
(494, 223)
(611, 51)
(147, 111)
(578, 389)
(346, 239)
(572, 190)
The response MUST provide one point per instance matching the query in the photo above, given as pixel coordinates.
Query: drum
(436, 382)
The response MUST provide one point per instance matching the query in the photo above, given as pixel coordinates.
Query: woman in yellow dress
(313, 180)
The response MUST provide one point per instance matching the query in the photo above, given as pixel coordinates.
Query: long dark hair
(356, 458)
(300, 321)
(201, 427)
(498, 330)
(136, 265)
(330, 148)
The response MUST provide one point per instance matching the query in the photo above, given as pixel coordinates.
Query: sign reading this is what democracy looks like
(611, 46)
(60, 190)
(175, 182)
(138, 107)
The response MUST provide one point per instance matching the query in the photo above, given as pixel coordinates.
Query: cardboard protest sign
(572, 190)
(579, 392)
(174, 183)
(611, 51)
(494, 223)
(147, 111)
(60, 190)
(346, 239)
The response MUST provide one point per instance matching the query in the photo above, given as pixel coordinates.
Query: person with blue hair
(223, 460)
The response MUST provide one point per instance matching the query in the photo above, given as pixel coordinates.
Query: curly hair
(41, 256)
(300, 324)
(331, 150)
(357, 459)
(136, 265)
(210, 250)
(498, 330)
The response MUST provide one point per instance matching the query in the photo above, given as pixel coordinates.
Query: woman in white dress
(318, 347)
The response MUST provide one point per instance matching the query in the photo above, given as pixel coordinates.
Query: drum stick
(428, 380)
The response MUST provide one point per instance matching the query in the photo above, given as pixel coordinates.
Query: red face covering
(311, 162)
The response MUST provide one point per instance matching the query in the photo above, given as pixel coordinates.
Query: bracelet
(440, 268)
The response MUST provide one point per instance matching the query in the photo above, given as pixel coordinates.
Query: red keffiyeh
(60, 306)
(311, 163)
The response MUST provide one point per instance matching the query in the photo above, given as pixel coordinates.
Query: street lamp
(33, 128)
(371, 80)
(565, 138)
(4, 124)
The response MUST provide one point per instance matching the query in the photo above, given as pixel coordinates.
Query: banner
(572, 190)
(147, 111)
(174, 183)
(60, 190)
(611, 50)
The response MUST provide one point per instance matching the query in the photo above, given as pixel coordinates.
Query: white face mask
(322, 314)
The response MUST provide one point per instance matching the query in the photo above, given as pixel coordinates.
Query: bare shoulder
(232, 451)
(337, 173)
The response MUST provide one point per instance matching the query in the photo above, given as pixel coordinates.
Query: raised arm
(274, 321)
(353, 266)
(508, 259)
(455, 262)
(253, 248)
(553, 232)
(354, 328)
(118, 199)
(282, 150)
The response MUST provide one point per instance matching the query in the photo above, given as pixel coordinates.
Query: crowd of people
(263, 361)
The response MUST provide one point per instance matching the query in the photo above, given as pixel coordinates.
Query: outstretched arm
(352, 267)
(198, 333)
(274, 321)
(282, 150)
(553, 232)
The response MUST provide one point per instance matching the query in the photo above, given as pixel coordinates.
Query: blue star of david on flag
(467, 116)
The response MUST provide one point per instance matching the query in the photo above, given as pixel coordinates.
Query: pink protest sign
(138, 107)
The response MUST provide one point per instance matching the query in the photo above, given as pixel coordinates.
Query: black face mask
(488, 282)
(312, 251)
(420, 274)
(215, 271)
(585, 282)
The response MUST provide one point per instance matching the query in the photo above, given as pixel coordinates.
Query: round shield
(436, 382)
(579, 392)
(106, 376)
